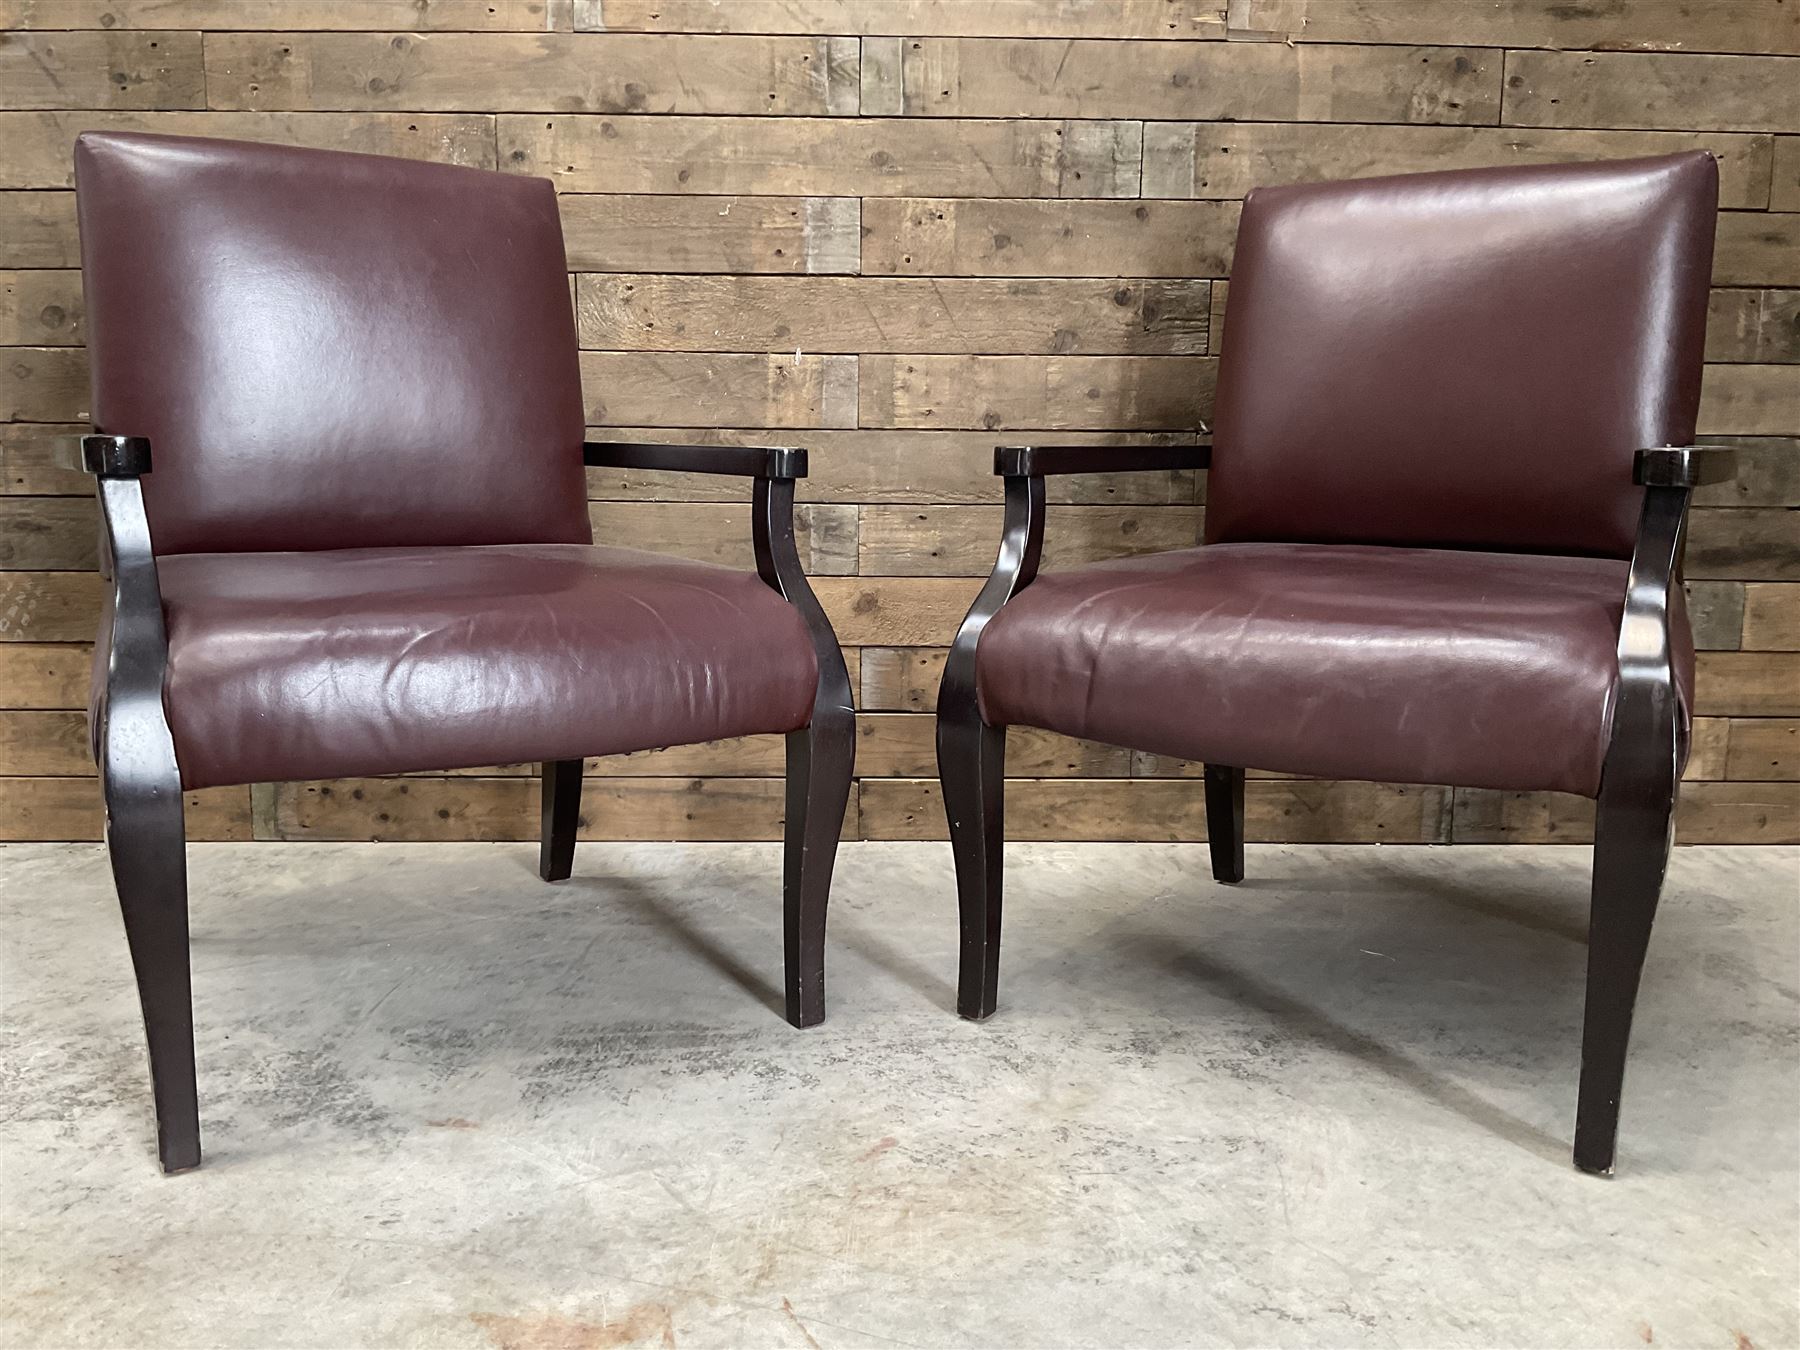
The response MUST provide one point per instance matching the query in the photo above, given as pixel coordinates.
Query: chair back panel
(1465, 359)
(331, 350)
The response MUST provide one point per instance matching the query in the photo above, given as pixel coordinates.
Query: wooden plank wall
(896, 231)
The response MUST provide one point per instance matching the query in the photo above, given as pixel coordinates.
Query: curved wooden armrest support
(745, 461)
(106, 456)
(1683, 466)
(778, 564)
(1011, 461)
(1021, 548)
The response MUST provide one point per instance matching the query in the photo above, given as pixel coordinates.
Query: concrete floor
(446, 1105)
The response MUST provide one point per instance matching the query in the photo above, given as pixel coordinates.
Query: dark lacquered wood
(1025, 461)
(106, 456)
(972, 754)
(745, 461)
(561, 812)
(1686, 466)
(1225, 821)
(141, 787)
(1633, 823)
(820, 760)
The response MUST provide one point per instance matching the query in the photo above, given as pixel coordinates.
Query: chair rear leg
(561, 815)
(146, 844)
(820, 760)
(1631, 856)
(1225, 821)
(971, 770)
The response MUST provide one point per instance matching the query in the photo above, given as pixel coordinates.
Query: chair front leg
(820, 760)
(1633, 824)
(141, 785)
(1225, 822)
(972, 773)
(561, 808)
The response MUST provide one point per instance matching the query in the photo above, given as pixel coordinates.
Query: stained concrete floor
(446, 1105)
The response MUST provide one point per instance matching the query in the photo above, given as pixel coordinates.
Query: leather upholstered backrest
(1464, 359)
(331, 350)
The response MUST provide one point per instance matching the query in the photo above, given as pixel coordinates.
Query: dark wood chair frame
(141, 783)
(1635, 812)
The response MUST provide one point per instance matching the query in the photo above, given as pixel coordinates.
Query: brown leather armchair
(345, 518)
(1444, 512)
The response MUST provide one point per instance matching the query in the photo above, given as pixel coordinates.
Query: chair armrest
(1683, 466)
(1036, 461)
(746, 461)
(106, 456)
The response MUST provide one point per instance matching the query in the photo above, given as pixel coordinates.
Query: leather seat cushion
(385, 660)
(1334, 661)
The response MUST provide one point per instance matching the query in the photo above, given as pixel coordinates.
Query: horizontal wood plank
(28, 460)
(44, 675)
(1764, 749)
(1784, 192)
(1639, 89)
(546, 72)
(48, 533)
(946, 236)
(1570, 25)
(1227, 159)
(40, 146)
(977, 77)
(1743, 544)
(868, 314)
(40, 309)
(1753, 326)
(58, 809)
(889, 611)
(721, 532)
(1771, 617)
(963, 540)
(639, 233)
(1051, 392)
(43, 384)
(1757, 248)
(49, 606)
(217, 15)
(37, 229)
(803, 156)
(1747, 684)
(1751, 401)
(1707, 813)
(718, 389)
(141, 71)
(957, 18)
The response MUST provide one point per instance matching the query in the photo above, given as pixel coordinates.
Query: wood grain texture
(896, 232)
(550, 72)
(1572, 25)
(974, 77)
(864, 314)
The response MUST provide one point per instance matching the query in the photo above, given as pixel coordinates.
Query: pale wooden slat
(101, 70)
(456, 807)
(49, 606)
(901, 679)
(868, 314)
(40, 146)
(1743, 544)
(721, 533)
(976, 77)
(889, 611)
(1664, 90)
(1050, 392)
(1707, 813)
(1716, 613)
(48, 533)
(963, 540)
(1751, 401)
(1764, 749)
(1757, 248)
(69, 809)
(1753, 326)
(40, 309)
(1767, 473)
(44, 744)
(912, 18)
(802, 156)
(43, 384)
(1747, 684)
(44, 675)
(28, 461)
(420, 15)
(37, 229)
(1225, 159)
(1784, 192)
(1709, 747)
(887, 466)
(1672, 25)
(1003, 237)
(904, 745)
(1771, 617)
(548, 72)
(718, 389)
(638, 233)
(1298, 811)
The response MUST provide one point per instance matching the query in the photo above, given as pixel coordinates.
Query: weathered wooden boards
(897, 231)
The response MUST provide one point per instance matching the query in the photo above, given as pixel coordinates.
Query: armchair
(1449, 477)
(347, 531)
